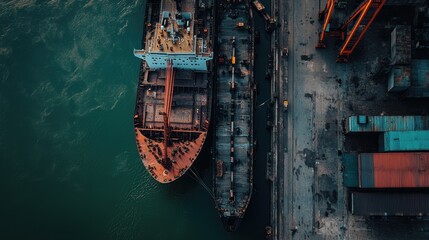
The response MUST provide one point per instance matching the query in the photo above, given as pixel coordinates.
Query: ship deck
(175, 37)
(190, 100)
(234, 140)
(189, 121)
(163, 38)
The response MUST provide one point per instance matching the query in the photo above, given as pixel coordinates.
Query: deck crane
(168, 99)
(362, 17)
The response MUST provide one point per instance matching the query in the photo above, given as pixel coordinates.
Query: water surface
(68, 162)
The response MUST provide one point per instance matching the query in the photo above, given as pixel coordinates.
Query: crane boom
(168, 100)
(367, 12)
(362, 17)
(325, 14)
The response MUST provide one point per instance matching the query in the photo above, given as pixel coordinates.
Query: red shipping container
(394, 170)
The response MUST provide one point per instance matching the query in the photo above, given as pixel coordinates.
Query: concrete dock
(308, 198)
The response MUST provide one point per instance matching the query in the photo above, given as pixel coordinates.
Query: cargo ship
(234, 103)
(174, 96)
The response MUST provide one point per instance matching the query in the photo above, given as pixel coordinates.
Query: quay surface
(308, 198)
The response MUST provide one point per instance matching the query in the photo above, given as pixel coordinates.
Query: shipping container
(404, 141)
(400, 45)
(386, 170)
(419, 79)
(350, 170)
(355, 124)
(381, 203)
(393, 170)
(399, 79)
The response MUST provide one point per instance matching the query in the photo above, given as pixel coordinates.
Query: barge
(234, 105)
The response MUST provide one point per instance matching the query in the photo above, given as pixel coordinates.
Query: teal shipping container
(399, 79)
(350, 170)
(419, 79)
(362, 124)
(404, 141)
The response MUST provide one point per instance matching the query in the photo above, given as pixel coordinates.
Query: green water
(69, 168)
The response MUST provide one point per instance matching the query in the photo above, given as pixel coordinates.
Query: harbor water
(69, 167)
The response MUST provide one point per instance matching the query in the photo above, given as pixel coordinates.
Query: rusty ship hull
(174, 96)
(234, 103)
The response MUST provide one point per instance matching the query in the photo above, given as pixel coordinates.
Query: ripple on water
(129, 212)
(68, 83)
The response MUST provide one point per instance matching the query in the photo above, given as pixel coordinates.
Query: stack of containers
(395, 181)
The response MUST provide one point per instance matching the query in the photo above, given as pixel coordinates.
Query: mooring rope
(198, 179)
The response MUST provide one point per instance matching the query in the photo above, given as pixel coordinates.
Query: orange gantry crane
(325, 14)
(362, 17)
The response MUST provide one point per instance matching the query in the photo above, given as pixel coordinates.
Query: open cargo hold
(381, 203)
(362, 124)
(386, 170)
(404, 141)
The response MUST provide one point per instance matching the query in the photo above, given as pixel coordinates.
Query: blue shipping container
(419, 79)
(405, 141)
(399, 79)
(386, 123)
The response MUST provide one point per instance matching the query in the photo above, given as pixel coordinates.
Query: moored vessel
(174, 96)
(234, 103)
